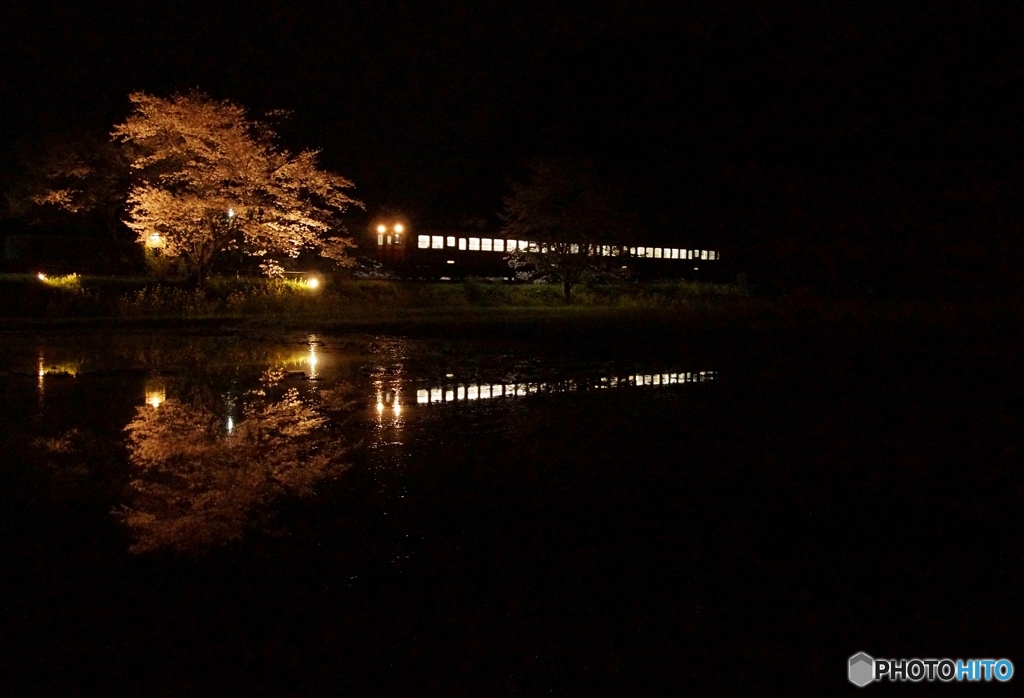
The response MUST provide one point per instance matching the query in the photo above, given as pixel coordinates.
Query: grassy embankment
(28, 298)
(345, 304)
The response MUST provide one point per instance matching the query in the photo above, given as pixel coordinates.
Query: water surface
(247, 514)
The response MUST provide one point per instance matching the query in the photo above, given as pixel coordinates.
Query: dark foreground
(823, 495)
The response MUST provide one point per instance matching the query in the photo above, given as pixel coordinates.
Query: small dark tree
(81, 175)
(565, 215)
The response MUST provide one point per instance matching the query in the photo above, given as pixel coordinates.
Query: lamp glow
(313, 283)
(382, 228)
(41, 276)
(155, 397)
(399, 228)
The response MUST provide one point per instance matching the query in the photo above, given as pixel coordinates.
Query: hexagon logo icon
(862, 669)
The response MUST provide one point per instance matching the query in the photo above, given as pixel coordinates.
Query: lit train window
(422, 397)
(496, 390)
(462, 243)
(451, 241)
(474, 243)
(712, 255)
(485, 244)
(435, 395)
(499, 245)
(675, 253)
(389, 239)
(380, 239)
(398, 238)
(461, 392)
(485, 392)
(689, 254)
(574, 249)
(632, 250)
(703, 254)
(472, 392)
(657, 252)
(423, 242)
(449, 396)
(437, 242)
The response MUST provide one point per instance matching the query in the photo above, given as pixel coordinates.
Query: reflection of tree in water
(197, 483)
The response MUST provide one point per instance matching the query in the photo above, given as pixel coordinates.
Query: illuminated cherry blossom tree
(206, 178)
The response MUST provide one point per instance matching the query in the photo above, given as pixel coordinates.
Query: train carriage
(457, 255)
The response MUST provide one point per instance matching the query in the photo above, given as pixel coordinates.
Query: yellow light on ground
(382, 228)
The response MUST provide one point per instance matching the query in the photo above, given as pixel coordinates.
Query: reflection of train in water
(436, 255)
(473, 391)
(392, 401)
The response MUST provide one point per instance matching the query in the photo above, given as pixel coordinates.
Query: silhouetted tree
(566, 214)
(82, 175)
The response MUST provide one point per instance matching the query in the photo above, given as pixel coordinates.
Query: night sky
(775, 128)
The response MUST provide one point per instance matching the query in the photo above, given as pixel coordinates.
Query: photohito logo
(863, 669)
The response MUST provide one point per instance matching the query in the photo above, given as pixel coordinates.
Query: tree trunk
(200, 272)
(567, 292)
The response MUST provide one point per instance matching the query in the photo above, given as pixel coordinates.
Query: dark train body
(448, 255)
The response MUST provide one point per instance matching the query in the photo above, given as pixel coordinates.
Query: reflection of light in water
(156, 392)
(312, 361)
(156, 397)
(389, 397)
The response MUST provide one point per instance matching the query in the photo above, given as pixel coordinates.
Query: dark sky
(749, 119)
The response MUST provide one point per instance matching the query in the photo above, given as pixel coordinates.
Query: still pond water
(222, 514)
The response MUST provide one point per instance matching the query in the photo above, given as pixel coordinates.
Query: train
(442, 255)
